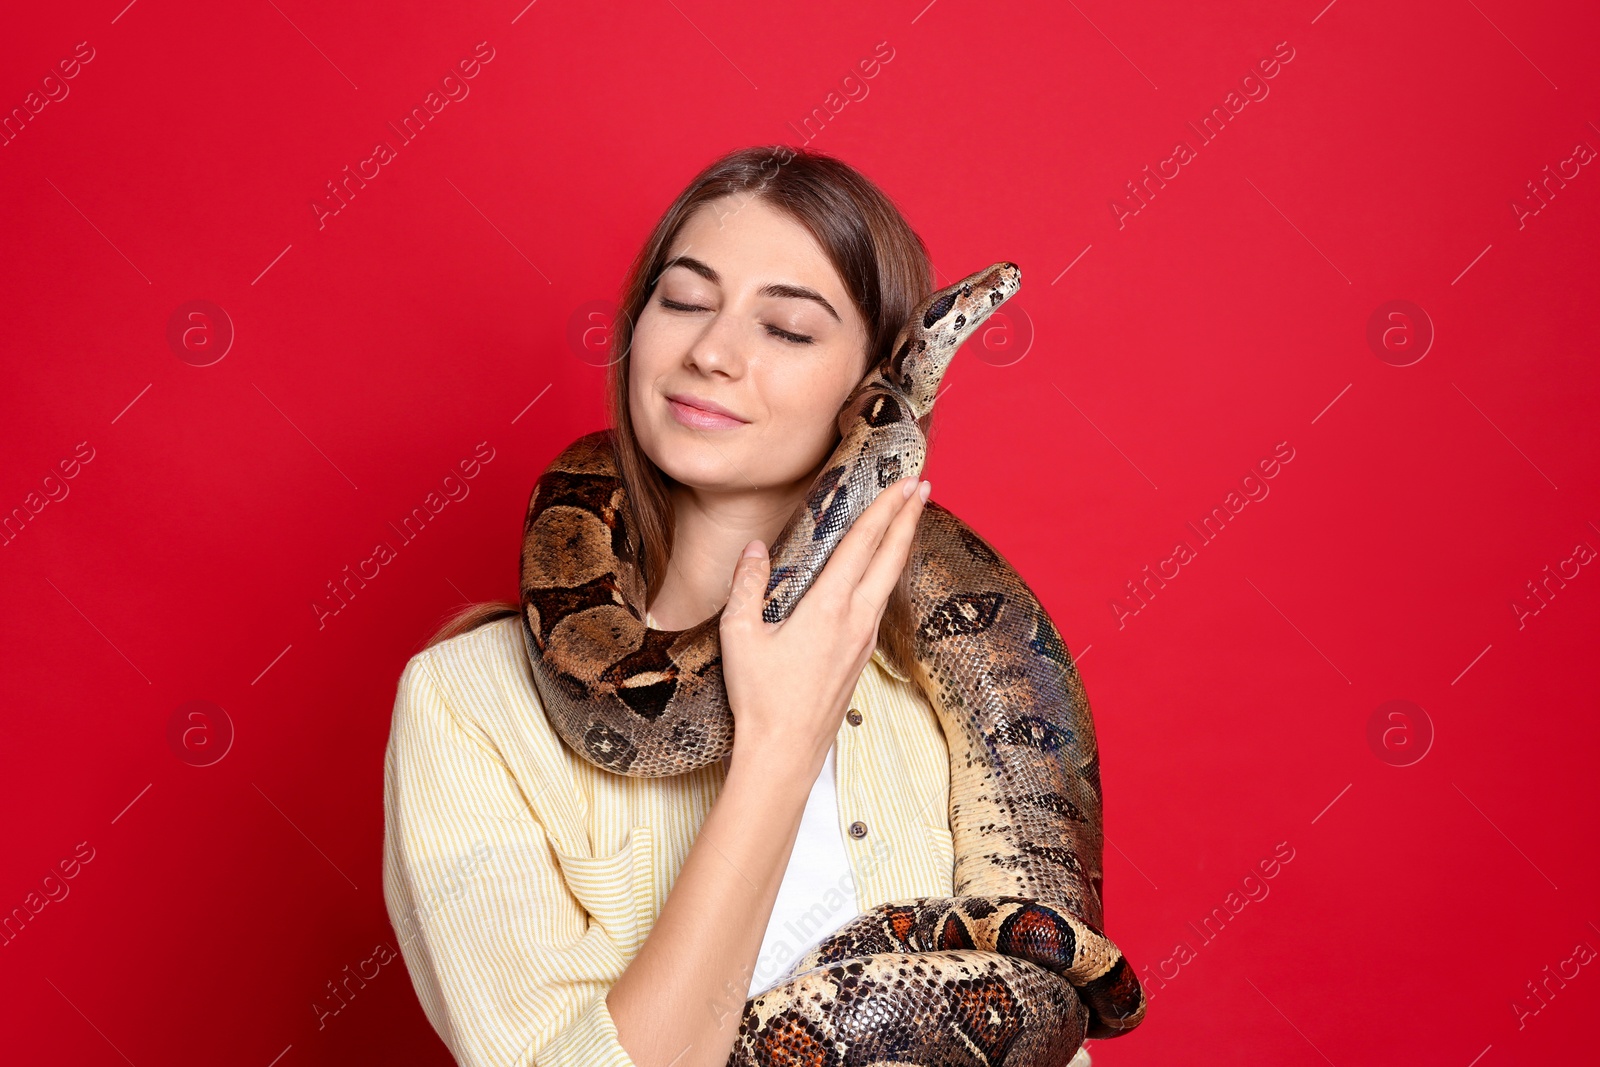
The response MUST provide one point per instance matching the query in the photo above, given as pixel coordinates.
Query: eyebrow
(776, 289)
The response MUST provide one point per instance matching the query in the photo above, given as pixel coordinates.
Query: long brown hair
(886, 272)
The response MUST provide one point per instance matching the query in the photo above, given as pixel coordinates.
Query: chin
(699, 462)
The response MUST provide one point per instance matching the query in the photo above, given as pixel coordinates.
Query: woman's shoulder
(479, 675)
(470, 700)
(485, 641)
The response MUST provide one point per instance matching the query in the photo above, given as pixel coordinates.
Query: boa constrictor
(1013, 969)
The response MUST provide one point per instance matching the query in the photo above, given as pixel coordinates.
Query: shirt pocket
(616, 890)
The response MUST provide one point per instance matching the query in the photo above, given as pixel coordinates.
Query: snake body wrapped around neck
(1015, 967)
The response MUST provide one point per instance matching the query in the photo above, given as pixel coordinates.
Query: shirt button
(853, 717)
(858, 829)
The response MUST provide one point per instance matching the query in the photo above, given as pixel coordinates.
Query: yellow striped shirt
(521, 879)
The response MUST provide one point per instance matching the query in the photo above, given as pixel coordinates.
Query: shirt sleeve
(507, 964)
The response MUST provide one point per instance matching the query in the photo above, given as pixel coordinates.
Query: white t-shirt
(818, 892)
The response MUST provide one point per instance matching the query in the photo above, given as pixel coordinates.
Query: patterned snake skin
(1013, 969)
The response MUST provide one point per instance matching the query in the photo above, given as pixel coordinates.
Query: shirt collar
(883, 661)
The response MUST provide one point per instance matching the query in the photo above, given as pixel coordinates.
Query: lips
(701, 413)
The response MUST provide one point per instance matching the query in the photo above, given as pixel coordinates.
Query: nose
(718, 349)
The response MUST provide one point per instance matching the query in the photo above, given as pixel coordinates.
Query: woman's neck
(709, 532)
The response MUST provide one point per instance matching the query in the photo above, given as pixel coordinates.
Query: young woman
(551, 912)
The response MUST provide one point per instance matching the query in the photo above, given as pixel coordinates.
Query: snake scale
(1013, 969)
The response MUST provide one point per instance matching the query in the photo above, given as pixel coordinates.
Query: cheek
(641, 397)
(644, 350)
(804, 402)
(647, 362)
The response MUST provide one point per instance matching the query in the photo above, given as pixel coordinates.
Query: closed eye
(785, 335)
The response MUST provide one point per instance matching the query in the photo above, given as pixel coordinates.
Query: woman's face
(749, 318)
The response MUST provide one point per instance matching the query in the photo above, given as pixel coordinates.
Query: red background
(1227, 315)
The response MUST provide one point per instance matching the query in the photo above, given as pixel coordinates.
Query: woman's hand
(789, 683)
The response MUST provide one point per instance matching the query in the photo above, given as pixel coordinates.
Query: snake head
(937, 327)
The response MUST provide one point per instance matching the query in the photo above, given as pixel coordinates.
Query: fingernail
(905, 490)
(754, 549)
(927, 488)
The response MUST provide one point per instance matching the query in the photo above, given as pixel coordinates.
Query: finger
(849, 559)
(893, 552)
(748, 590)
